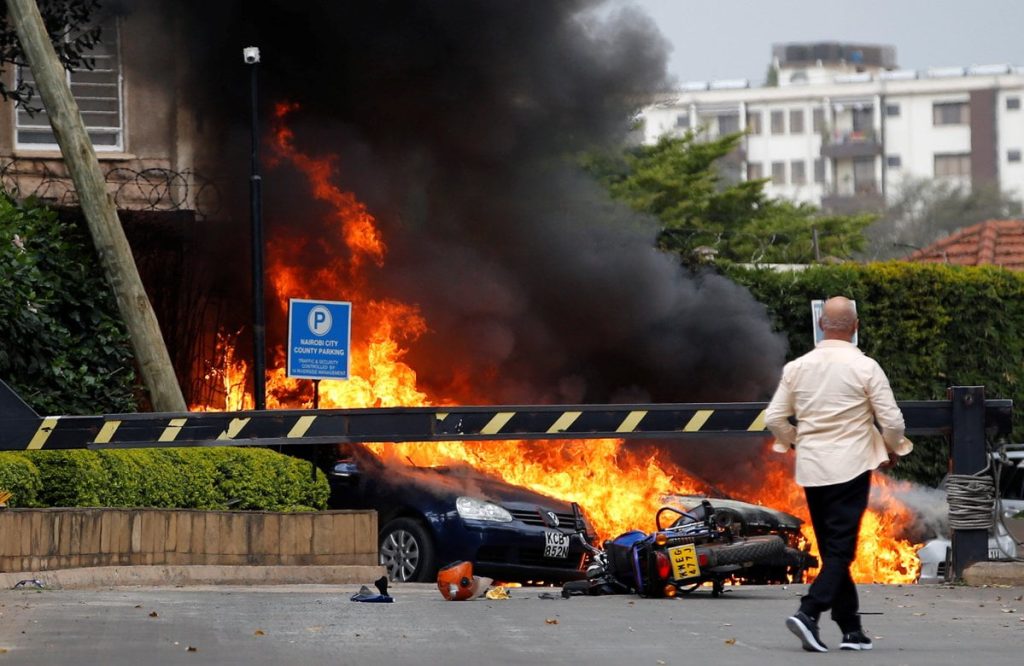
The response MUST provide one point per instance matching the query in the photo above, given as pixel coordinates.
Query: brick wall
(43, 539)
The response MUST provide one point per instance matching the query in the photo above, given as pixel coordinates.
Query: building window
(863, 118)
(778, 172)
(798, 172)
(953, 165)
(893, 161)
(98, 94)
(729, 123)
(754, 122)
(755, 171)
(864, 175)
(796, 121)
(1013, 155)
(818, 121)
(683, 121)
(892, 110)
(778, 122)
(819, 170)
(951, 113)
(1013, 103)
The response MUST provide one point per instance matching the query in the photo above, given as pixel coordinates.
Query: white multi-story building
(843, 127)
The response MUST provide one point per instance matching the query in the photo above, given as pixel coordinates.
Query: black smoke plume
(456, 121)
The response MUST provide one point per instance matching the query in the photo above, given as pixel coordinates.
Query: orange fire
(620, 488)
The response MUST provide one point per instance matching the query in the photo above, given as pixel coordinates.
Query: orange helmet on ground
(455, 581)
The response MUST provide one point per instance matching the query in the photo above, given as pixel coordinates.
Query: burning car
(749, 520)
(431, 516)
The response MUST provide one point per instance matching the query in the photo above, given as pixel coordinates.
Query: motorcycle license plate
(556, 544)
(684, 562)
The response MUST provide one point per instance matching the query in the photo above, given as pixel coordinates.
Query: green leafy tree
(681, 181)
(63, 346)
(71, 28)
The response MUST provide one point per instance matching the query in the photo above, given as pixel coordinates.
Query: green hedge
(206, 478)
(930, 326)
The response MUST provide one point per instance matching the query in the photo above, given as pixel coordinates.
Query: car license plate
(684, 562)
(556, 544)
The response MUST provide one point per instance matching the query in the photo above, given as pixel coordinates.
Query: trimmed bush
(21, 477)
(930, 326)
(206, 478)
(70, 478)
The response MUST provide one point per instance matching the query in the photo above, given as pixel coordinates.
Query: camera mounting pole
(251, 56)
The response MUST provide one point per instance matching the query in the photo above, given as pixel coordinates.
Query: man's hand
(893, 460)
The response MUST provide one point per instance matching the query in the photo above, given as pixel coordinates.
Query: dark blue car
(431, 517)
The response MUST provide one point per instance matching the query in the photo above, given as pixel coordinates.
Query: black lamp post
(251, 55)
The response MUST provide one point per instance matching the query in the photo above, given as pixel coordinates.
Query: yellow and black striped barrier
(21, 428)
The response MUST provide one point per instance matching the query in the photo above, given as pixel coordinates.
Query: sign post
(319, 337)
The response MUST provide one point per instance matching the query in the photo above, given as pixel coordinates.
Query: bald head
(838, 319)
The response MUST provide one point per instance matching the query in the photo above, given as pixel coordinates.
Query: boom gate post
(968, 455)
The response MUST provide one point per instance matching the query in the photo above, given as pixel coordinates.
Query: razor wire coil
(971, 499)
(141, 188)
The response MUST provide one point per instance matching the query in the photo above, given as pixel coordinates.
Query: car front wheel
(406, 551)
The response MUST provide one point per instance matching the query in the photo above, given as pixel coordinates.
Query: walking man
(836, 394)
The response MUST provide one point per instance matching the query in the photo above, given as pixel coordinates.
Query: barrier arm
(21, 428)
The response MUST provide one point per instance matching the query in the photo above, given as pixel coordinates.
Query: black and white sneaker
(855, 640)
(806, 630)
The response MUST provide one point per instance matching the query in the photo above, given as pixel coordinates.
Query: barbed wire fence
(151, 188)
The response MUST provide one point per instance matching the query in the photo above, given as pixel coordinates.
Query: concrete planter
(47, 539)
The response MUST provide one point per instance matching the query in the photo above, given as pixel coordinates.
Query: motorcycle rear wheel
(751, 549)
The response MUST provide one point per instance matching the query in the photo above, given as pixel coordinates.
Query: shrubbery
(201, 478)
(63, 347)
(930, 326)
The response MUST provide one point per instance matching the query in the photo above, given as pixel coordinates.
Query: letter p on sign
(319, 320)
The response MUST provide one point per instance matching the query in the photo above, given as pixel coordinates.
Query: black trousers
(836, 512)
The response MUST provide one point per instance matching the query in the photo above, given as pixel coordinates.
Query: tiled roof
(998, 242)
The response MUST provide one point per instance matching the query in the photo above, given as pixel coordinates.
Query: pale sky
(728, 39)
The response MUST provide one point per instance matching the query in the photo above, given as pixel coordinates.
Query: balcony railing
(840, 144)
(863, 196)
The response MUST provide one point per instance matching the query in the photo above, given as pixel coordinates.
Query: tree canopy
(683, 182)
(70, 24)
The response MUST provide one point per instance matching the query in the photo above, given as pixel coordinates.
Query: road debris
(497, 592)
(365, 595)
(29, 582)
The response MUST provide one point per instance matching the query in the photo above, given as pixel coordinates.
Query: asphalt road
(311, 624)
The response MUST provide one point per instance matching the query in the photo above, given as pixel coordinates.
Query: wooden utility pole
(98, 206)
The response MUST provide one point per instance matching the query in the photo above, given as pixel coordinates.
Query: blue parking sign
(319, 336)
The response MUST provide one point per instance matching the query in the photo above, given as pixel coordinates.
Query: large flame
(620, 487)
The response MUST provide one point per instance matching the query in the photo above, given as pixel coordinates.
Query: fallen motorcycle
(694, 547)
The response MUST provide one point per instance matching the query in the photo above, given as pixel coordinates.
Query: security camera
(251, 54)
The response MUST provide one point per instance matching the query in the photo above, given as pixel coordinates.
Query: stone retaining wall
(42, 539)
